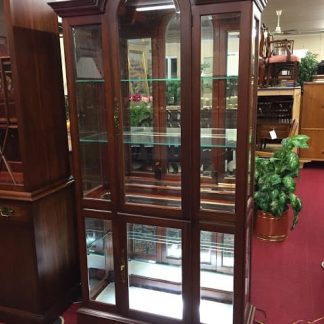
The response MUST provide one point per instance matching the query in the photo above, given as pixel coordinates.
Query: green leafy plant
(307, 68)
(275, 179)
(173, 92)
(141, 114)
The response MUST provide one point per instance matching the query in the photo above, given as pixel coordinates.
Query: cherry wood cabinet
(39, 262)
(312, 121)
(162, 98)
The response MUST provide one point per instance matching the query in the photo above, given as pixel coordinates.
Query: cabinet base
(17, 316)
(91, 316)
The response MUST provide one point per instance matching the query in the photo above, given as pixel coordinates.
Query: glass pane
(253, 82)
(218, 111)
(216, 277)
(100, 260)
(150, 84)
(10, 159)
(91, 111)
(155, 269)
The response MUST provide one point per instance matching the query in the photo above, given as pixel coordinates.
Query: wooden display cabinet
(163, 135)
(39, 273)
(312, 121)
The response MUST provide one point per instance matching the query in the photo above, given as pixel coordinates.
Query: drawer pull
(6, 211)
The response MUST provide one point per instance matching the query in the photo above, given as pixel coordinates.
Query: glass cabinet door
(91, 111)
(216, 277)
(218, 110)
(155, 269)
(100, 260)
(151, 96)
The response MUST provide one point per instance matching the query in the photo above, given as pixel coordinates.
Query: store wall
(313, 43)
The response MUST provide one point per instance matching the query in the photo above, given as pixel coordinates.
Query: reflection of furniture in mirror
(155, 144)
(278, 110)
(39, 264)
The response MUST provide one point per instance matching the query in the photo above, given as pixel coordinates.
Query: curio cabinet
(39, 272)
(162, 99)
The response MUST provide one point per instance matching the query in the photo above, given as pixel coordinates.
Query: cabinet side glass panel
(150, 83)
(91, 111)
(216, 277)
(100, 260)
(252, 109)
(10, 158)
(220, 38)
(155, 269)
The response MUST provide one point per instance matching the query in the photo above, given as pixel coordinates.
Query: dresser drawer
(12, 211)
(316, 144)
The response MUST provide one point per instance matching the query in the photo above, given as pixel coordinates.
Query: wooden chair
(282, 64)
(276, 60)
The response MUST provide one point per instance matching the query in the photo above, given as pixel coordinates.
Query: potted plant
(307, 68)
(275, 190)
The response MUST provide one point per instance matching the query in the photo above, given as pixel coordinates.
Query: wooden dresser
(312, 121)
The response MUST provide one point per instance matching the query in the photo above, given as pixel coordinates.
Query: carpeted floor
(287, 278)
(69, 316)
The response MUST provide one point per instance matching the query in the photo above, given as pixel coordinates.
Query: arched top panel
(73, 8)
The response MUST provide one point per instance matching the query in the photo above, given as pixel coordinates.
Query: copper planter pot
(271, 228)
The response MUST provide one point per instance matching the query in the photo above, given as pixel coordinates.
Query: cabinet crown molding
(70, 8)
(260, 3)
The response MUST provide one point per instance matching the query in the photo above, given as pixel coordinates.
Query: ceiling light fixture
(159, 7)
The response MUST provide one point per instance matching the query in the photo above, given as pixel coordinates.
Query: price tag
(273, 134)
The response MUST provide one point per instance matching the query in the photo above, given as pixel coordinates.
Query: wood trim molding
(260, 3)
(70, 8)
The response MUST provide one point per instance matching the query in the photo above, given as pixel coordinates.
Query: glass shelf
(89, 81)
(219, 77)
(204, 77)
(95, 238)
(172, 137)
(151, 80)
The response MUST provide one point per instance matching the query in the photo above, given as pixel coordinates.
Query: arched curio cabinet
(162, 98)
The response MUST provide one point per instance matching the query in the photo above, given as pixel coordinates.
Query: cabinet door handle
(6, 211)
(123, 267)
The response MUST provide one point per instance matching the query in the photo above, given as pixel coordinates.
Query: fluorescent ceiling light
(160, 7)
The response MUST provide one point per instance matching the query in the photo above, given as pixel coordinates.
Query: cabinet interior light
(159, 7)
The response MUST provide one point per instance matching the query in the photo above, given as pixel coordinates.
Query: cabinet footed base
(18, 316)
